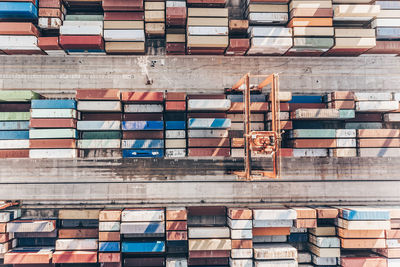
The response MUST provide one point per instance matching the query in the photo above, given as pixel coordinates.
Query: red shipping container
(52, 123)
(175, 105)
(50, 13)
(18, 28)
(311, 12)
(209, 142)
(109, 236)
(175, 96)
(81, 42)
(21, 153)
(385, 47)
(177, 235)
(109, 257)
(363, 261)
(75, 257)
(142, 134)
(237, 47)
(379, 142)
(345, 52)
(4, 237)
(286, 125)
(239, 244)
(151, 261)
(206, 115)
(314, 143)
(294, 106)
(206, 96)
(176, 48)
(207, 211)
(209, 253)
(303, 53)
(176, 225)
(78, 233)
(209, 152)
(206, 3)
(122, 5)
(367, 117)
(143, 117)
(123, 15)
(148, 97)
(24, 52)
(15, 107)
(286, 152)
(50, 3)
(205, 51)
(52, 143)
(49, 43)
(27, 257)
(208, 261)
(98, 94)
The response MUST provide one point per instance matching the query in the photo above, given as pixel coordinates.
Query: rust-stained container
(101, 116)
(109, 257)
(345, 52)
(237, 47)
(341, 95)
(240, 213)
(15, 107)
(237, 142)
(98, 94)
(209, 152)
(311, 12)
(123, 15)
(110, 215)
(50, 4)
(271, 231)
(378, 133)
(283, 107)
(150, 261)
(206, 3)
(122, 5)
(109, 236)
(208, 261)
(75, 257)
(207, 115)
(371, 261)
(256, 107)
(238, 25)
(176, 214)
(176, 235)
(206, 211)
(286, 152)
(176, 225)
(18, 28)
(142, 134)
(20, 153)
(242, 244)
(81, 42)
(52, 143)
(142, 116)
(176, 48)
(175, 105)
(385, 47)
(139, 97)
(327, 213)
(206, 96)
(52, 123)
(342, 104)
(49, 43)
(42, 257)
(314, 143)
(294, 106)
(24, 52)
(100, 153)
(209, 142)
(205, 51)
(78, 233)
(305, 223)
(379, 142)
(50, 13)
(209, 254)
(175, 96)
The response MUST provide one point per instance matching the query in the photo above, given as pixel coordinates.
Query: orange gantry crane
(261, 142)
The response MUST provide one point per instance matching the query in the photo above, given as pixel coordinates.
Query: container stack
(78, 237)
(175, 124)
(298, 238)
(143, 125)
(207, 31)
(392, 251)
(154, 17)
(266, 12)
(109, 237)
(51, 46)
(14, 123)
(176, 14)
(209, 238)
(208, 126)
(100, 123)
(268, 40)
(52, 131)
(124, 27)
(177, 237)
(143, 235)
(270, 230)
(175, 40)
(362, 229)
(7, 241)
(36, 240)
(18, 33)
(240, 222)
(324, 246)
(311, 22)
(352, 42)
(284, 107)
(82, 34)
(51, 15)
(238, 41)
(258, 113)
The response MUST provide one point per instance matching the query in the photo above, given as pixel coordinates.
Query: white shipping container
(303, 257)
(385, 23)
(372, 96)
(262, 31)
(392, 117)
(99, 106)
(274, 251)
(176, 4)
(53, 113)
(76, 244)
(99, 143)
(346, 133)
(310, 152)
(175, 153)
(393, 243)
(324, 260)
(52, 153)
(356, 11)
(98, 125)
(240, 262)
(124, 35)
(240, 224)
(276, 18)
(242, 253)
(140, 108)
(176, 262)
(346, 143)
(377, 106)
(270, 239)
(274, 214)
(310, 4)
(198, 30)
(241, 234)
(150, 215)
(55, 52)
(272, 223)
(270, 45)
(276, 263)
(209, 104)
(81, 30)
(210, 244)
(175, 134)
(49, 23)
(5, 216)
(208, 232)
(379, 152)
(14, 42)
(109, 226)
(324, 242)
(207, 133)
(14, 144)
(363, 225)
(175, 143)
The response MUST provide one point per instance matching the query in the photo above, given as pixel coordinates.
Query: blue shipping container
(18, 10)
(53, 104)
(175, 125)
(142, 125)
(201, 123)
(298, 237)
(142, 153)
(306, 99)
(14, 125)
(14, 135)
(143, 247)
(109, 246)
(365, 214)
(147, 143)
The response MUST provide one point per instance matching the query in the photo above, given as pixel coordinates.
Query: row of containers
(359, 236)
(178, 27)
(114, 124)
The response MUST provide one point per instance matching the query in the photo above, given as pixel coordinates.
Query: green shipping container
(310, 42)
(313, 133)
(18, 95)
(15, 116)
(347, 114)
(101, 135)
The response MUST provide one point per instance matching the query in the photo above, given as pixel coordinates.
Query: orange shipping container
(27, 257)
(360, 233)
(148, 97)
(50, 13)
(306, 223)
(378, 133)
(327, 213)
(310, 22)
(109, 257)
(110, 215)
(314, 143)
(238, 244)
(52, 143)
(98, 94)
(75, 257)
(256, 107)
(363, 262)
(109, 236)
(176, 235)
(342, 104)
(78, 233)
(379, 142)
(176, 215)
(18, 28)
(305, 213)
(363, 243)
(240, 214)
(176, 226)
(271, 231)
